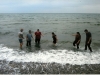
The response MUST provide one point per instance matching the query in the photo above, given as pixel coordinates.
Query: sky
(49, 6)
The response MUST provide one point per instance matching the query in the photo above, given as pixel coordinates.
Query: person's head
(85, 30)
(78, 33)
(37, 29)
(21, 30)
(53, 33)
(29, 31)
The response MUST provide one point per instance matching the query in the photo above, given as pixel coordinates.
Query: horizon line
(48, 13)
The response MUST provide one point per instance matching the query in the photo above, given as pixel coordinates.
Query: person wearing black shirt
(88, 40)
(77, 39)
(54, 38)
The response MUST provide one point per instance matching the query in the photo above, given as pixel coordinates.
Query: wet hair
(78, 33)
(53, 33)
(85, 30)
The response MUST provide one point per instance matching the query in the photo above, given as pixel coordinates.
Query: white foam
(57, 56)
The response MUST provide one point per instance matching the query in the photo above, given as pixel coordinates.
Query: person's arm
(41, 34)
(74, 35)
(22, 36)
(32, 36)
(78, 41)
(89, 40)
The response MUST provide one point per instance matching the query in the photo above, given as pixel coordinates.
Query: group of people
(29, 37)
(38, 35)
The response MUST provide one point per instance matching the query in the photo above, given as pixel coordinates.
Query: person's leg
(74, 43)
(21, 43)
(77, 46)
(55, 41)
(29, 43)
(35, 40)
(38, 41)
(89, 46)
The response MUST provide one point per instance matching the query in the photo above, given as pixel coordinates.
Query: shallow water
(64, 25)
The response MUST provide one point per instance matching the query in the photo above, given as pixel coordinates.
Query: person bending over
(77, 39)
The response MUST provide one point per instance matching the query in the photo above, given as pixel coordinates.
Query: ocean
(31, 60)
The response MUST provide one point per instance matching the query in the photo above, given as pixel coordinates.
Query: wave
(17, 23)
(49, 56)
(48, 23)
(25, 20)
(97, 24)
(81, 22)
(5, 33)
(96, 44)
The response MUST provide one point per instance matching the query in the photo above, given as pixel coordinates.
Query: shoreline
(10, 67)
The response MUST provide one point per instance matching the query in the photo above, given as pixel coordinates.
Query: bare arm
(34, 34)
(89, 39)
(22, 36)
(79, 36)
(78, 41)
(74, 35)
(41, 34)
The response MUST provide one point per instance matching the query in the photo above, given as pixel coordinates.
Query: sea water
(63, 25)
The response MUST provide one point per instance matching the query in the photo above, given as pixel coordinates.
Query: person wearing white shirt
(20, 35)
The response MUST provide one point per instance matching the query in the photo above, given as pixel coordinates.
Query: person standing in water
(77, 39)
(54, 38)
(88, 40)
(37, 36)
(20, 35)
(28, 38)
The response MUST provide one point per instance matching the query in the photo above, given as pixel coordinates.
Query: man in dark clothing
(77, 39)
(37, 36)
(28, 38)
(88, 40)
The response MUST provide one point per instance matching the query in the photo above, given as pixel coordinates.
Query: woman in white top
(20, 35)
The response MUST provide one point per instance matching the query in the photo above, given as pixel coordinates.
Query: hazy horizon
(49, 13)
